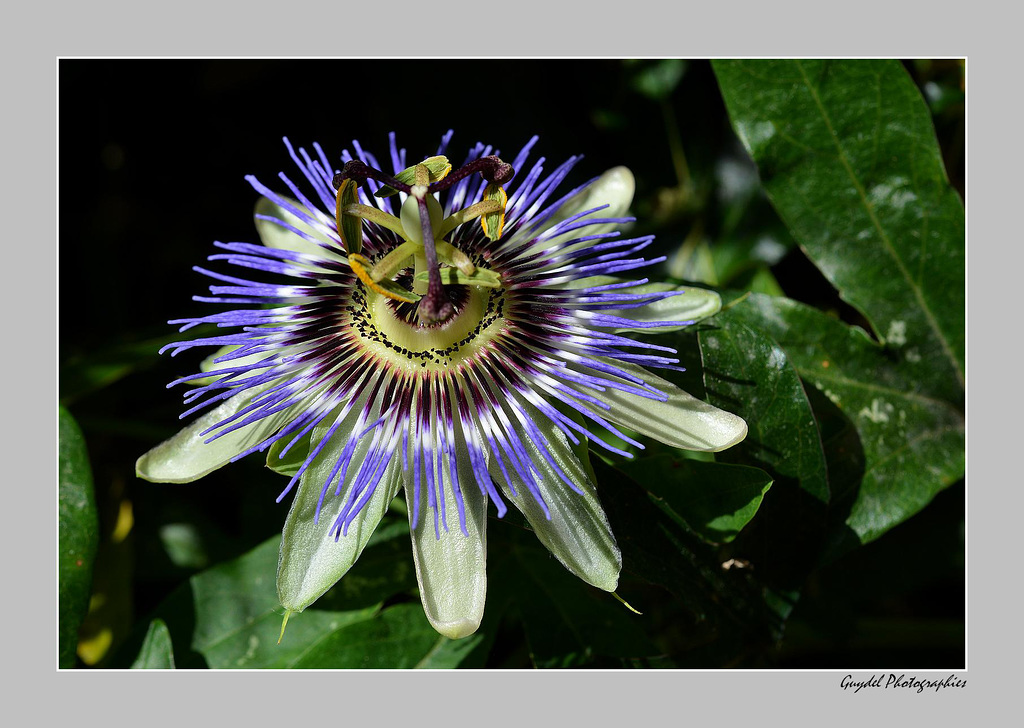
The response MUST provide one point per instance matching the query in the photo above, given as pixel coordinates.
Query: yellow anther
(349, 226)
(389, 289)
(494, 222)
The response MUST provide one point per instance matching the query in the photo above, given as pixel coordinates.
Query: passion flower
(453, 333)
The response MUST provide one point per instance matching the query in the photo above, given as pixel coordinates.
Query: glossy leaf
(78, 532)
(238, 616)
(714, 499)
(157, 652)
(913, 443)
(399, 638)
(747, 373)
(847, 153)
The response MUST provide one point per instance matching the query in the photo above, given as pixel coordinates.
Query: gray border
(545, 29)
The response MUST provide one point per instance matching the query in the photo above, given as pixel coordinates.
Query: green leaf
(238, 616)
(399, 638)
(913, 443)
(747, 373)
(446, 653)
(847, 153)
(157, 652)
(85, 373)
(656, 79)
(714, 499)
(78, 531)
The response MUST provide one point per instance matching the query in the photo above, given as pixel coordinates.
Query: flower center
(393, 332)
(423, 229)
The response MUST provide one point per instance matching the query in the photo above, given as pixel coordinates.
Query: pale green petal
(694, 304)
(311, 561)
(683, 421)
(213, 367)
(275, 236)
(614, 188)
(297, 453)
(451, 570)
(578, 533)
(186, 457)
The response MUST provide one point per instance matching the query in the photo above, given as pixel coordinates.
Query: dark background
(152, 159)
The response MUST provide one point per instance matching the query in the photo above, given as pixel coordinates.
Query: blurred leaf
(78, 531)
(748, 374)
(184, 545)
(847, 153)
(85, 373)
(156, 652)
(656, 79)
(714, 499)
(913, 443)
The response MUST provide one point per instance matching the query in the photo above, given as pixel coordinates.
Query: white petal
(578, 533)
(451, 570)
(186, 457)
(311, 561)
(275, 236)
(614, 188)
(213, 367)
(692, 305)
(683, 421)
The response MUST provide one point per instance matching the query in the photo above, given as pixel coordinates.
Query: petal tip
(734, 431)
(456, 629)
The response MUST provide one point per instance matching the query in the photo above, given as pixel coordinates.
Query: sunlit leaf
(157, 652)
(747, 373)
(847, 153)
(714, 499)
(913, 443)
